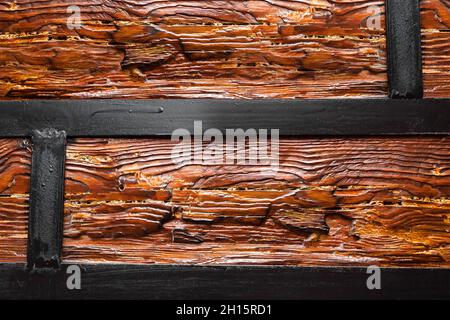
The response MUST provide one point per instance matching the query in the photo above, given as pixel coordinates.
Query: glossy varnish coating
(15, 167)
(192, 49)
(332, 201)
(435, 16)
(216, 49)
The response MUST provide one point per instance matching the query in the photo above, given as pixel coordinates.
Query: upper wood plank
(193, 49)
(435, 19)
(35, 15)
(143, 57)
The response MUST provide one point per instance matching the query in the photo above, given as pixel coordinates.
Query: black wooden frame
(128, 281)
(137, 118)
(49, 122)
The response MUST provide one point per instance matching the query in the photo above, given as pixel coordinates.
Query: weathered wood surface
(435, 14)
(195, 49)
(436, 47)
(192, 49)
(15, 164)
(332, 202)
(33, 15)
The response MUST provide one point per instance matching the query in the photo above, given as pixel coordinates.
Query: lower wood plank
(15, 167)
(353, 201)
(333, 201)
(13, 228)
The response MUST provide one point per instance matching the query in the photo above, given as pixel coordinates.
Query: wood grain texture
(192, 49)
(34, 15)
(332, 202)
(13, 228)
(15, 165)
(201, 49)
(435, 15)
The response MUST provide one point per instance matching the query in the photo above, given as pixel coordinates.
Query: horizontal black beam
(115, 118)
(120, 281)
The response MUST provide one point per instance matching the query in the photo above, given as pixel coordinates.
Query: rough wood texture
(436, 47)
(33, 15)
(332, 202)
(15, 164)
(188, 49)
(192, 49)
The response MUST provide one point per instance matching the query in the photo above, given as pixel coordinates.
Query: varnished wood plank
(394, 206)
(13, 228)
(332, 252)
(193, 49)
(33, 15)
(195, 62)
(420, 164)
(107, 21)
(435, 19)
(435, 14)
(436, 63)
(354, 201)
(15, 166)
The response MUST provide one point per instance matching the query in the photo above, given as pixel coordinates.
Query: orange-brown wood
(192, 49)
(435, 16)
(198, 49)
(15, 163)
(333, 201)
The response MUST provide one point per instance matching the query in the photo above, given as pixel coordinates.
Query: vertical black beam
(404, 51)
(45, 221)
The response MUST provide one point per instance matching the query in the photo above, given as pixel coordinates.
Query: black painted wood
(105, 281)
(404, 49)
(115, 118)
(46, 215)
